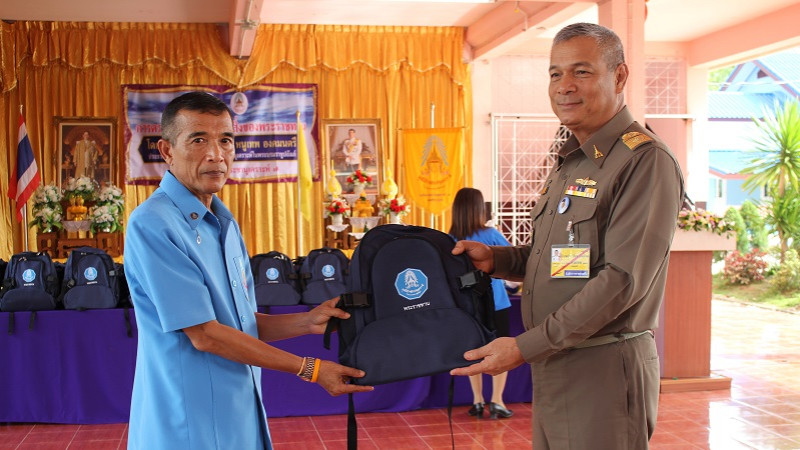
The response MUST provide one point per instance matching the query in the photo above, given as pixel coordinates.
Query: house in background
(750, 88)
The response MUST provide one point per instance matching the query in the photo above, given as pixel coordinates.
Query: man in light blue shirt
(201, 341)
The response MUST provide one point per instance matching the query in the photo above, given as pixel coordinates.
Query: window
(523, 152)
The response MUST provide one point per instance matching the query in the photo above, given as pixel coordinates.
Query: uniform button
(527, 292)
(233, 283)
(537, 251)
(242, 318)
(550, 213)
(193, 215)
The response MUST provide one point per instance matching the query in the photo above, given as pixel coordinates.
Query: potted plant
(359, 180)
(395, 208)
(337, 209)
(47, 211)
(702, 230)
(107, 213)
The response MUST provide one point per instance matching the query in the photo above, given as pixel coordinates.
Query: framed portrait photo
(87, 147)
(349, 145)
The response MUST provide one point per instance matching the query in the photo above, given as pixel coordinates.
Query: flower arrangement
(359, 178)
(107, 213)
(81, 187)
(396, 205)
(336, 206)
(702, 220)
(47, 212)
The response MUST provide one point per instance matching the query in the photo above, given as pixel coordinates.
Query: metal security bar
(523, 152)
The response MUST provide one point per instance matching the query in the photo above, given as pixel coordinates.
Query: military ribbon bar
(581, 191)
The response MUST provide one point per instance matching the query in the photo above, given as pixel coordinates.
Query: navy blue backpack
(90, 280)
(323, 273)
(276, 280)
(30, 283)
(415, 307)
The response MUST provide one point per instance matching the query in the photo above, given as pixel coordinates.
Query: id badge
(570, 261)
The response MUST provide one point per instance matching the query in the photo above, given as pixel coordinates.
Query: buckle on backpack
(355, 299)
(469, 279)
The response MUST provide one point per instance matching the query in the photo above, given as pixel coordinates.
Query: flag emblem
(25, 173)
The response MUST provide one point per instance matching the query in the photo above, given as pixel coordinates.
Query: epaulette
(634, 139)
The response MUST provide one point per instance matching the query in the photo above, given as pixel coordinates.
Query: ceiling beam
(243, 26)
(505, 26)
(747, 40)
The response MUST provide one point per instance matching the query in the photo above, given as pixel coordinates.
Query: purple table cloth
(77, 367)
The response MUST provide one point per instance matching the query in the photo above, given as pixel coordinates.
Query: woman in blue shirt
(469, 217)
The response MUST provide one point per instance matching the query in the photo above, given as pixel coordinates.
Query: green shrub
(754, 223)
(744, 268)
(732, 215)
(787, 277)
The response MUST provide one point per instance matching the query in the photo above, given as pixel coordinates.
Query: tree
(717, 78)
(776, 158)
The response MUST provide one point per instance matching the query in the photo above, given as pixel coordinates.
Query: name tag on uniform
(570, 261)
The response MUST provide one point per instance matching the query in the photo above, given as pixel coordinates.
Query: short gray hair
(607, 40)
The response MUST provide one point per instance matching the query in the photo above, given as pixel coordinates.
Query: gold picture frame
(87, 146)
(336, 134)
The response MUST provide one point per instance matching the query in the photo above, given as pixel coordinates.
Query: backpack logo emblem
(328, 270)
(411, 284)
(29, 275)
(272, 274)
(90, 273)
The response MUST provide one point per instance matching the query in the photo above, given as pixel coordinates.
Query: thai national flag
(25, 174)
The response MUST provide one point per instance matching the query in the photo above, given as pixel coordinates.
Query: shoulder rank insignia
(597, 153)
(635, 139)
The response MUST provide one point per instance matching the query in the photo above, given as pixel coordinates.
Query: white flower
(46, 194)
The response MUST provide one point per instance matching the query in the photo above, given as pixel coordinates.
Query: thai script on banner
(264, 124)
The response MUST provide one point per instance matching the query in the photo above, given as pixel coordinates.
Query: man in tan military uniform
(594, 275)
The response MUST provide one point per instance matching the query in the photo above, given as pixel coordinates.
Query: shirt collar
(602, 141)
(191, 207)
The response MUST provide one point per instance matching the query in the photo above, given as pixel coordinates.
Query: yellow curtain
(77, 69)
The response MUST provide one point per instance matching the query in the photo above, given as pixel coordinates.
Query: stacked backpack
(323, 272)
(30, 283)
(91, 280)
(276, 280)
(310, 280)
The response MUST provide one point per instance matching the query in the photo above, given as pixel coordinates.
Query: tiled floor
(758, 348)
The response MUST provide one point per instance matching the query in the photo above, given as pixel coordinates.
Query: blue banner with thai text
(264, 124)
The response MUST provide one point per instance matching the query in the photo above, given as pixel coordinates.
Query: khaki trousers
(603, 397)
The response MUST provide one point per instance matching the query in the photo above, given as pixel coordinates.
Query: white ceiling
(667, 20)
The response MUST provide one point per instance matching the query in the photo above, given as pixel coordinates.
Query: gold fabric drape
(78, 69)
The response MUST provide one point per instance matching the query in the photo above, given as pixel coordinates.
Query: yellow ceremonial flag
(433, 161)
(303, 172)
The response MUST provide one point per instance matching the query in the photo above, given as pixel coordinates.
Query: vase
(394, 217)
(358, 189)
(337, 219)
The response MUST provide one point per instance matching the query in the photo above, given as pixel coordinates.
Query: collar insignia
(597, 154)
